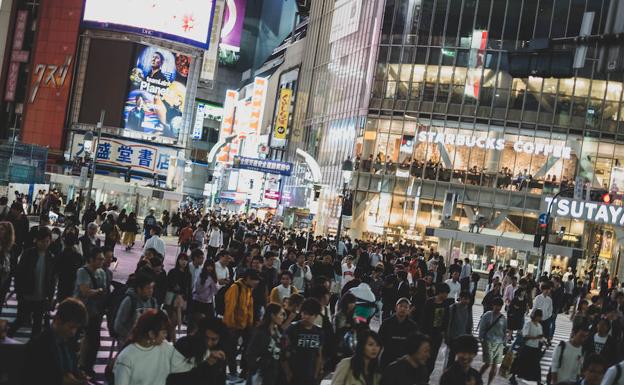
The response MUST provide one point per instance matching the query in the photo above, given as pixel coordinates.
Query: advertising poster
(186, 21)
(283, 113)
(231, 31)
(157, 92)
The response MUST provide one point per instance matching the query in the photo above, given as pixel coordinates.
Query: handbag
(507, 363)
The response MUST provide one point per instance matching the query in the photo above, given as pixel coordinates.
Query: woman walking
(527, 364)
(203, 293)
(263, 352)
(363, 367)
(131, 229)
(178, 293)
(148, 358)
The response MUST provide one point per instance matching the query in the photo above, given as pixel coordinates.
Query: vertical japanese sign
(283, 113)
(227, 124)
(17, 56)
(256, 110)
(155, 103)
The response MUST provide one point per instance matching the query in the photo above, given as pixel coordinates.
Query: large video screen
(186, 21)
(157, 92)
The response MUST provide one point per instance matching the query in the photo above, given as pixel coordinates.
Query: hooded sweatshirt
(129, 310)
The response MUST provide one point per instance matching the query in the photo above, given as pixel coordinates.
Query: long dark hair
(203, 276)
(357, 361)
(271, 310)
(182, 256)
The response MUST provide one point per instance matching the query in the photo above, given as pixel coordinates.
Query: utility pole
(94, 161)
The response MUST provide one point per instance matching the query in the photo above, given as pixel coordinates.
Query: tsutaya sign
(494, 144)
(588, 211)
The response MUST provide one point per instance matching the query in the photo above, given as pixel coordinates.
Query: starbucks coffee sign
(587, 211)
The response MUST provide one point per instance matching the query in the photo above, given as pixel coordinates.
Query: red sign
(51, 73)
(271, 194)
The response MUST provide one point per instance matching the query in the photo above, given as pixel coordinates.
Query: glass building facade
(457, 153)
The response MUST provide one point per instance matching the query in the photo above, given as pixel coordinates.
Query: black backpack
(112, 306)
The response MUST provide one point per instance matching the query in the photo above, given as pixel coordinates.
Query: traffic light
(128, 175)
(606, 198)
(537, 241)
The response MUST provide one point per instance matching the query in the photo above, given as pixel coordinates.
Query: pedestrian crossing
(108, 347)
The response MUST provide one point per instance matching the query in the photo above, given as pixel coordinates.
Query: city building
(464, 116)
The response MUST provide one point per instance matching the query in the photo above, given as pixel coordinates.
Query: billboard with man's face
(157, 92)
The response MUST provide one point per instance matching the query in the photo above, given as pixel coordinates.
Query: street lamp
(347, 173)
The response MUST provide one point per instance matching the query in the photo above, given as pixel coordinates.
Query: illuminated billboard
(157, 92)
(186, 21)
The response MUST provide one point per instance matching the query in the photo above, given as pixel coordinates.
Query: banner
(263, 165)
(231, 31)
(283, 113)
(155, 103)
(124, 153)
(209, 64)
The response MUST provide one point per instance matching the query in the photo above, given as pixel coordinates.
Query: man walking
(492, 333)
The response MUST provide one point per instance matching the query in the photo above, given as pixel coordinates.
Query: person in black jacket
(394, 331)
(21, 226)
(603, 343)
(435, 319)
(35, 280)
(55, 359)
(211, 371)
(263, 352)
(89, 241)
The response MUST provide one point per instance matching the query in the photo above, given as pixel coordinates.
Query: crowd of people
(265, 305)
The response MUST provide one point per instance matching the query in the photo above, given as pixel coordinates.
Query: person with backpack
(137, 300)
(91, 289)
(238, 317)
(567, 359)
(492, 333)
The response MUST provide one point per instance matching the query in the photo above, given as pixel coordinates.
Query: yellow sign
(283, 112)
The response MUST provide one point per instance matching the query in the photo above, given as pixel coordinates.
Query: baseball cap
(403, 300)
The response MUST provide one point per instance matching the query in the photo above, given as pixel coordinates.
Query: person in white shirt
(500, 274)
(348, 270)
(454, 285)
(195, 267)
(544, 303)
(567, 359)
(149, 358)
(221, 269)
(154, 242)
(301, 273)
(527, 364)
(215, 241)
(284, 290)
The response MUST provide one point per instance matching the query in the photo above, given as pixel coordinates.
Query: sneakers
(234, 379)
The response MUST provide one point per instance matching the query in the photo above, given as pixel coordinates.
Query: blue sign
(543, 219)
(263, 165)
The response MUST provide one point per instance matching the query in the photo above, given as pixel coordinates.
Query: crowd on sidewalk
(266, 305)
